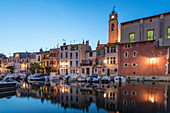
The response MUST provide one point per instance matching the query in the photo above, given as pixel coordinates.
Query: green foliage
(35, 67)
(48, 70)
(11, 68)
(55, 70)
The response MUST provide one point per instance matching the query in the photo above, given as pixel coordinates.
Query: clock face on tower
(112, 16)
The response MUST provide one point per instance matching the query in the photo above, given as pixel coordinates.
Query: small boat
(3, 75)
(93, 78)
(81, 78)
(13, 77)
(119, 79)
(70, 77)
(37, 77)
(52, 78)
(105, 79)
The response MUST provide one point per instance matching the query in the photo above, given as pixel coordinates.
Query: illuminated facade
(143, 59)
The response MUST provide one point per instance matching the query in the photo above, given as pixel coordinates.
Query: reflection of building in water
(142, 98)
(77, 96)
(71, 96)
(107, 98)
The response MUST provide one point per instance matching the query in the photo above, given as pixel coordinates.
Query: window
(168, 32)
(77, 55)
(125, 92)
(137, 44)
(96, 71)
(133, 93)
(133, 103)
(113, 27)
(125, 65)
(125, 102)
(107, 60)
(134, 64)
(103, 70)
(70, 55)
(77, 91)
(114, 60)
(126, 54)
(160, 53)
(77, 63)
(61, 55)
(71, 64)
(132, 37)
(113, 49)
(150, 35)
(57, 54)
(134, 54)
(66, 55)
(127, 46)
(47, 63)
(91, 54)
(83, 70)
(111, 60)
(74, 71)
(115, 70)
(107, 49)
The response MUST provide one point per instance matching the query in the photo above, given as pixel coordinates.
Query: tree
(48, 70)
(35, 67)
(11, 68)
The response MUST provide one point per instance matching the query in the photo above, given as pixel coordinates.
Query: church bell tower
(113, 27)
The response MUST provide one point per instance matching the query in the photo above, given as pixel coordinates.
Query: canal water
(59, 97)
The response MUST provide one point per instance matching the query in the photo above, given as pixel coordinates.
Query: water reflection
(130, 98)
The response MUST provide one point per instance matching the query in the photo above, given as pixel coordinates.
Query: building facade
(71, 57)
(55, 59)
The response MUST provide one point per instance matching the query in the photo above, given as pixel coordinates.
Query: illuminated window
(150, 35)
(168, 32)
(132, 37)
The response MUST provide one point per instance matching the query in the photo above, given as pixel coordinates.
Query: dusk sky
(32, 24)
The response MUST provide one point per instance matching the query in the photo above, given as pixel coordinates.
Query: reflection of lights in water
(151, 99)
(18, 94)
(23, 85)
(104, 95)
(62, 90)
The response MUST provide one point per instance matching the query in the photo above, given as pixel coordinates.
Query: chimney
(87, 42)
(83, 42)
(64, 44)
(98, 43)
(41, 50)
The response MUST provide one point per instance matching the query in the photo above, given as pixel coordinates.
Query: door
(66, 71)
(108, 72)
